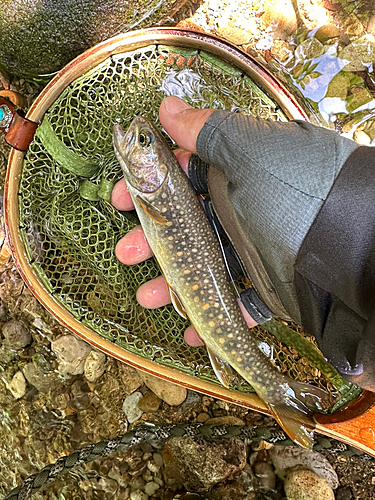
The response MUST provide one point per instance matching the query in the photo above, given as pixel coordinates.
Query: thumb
(182, 122)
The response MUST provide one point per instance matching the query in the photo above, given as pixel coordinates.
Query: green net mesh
(69, 226)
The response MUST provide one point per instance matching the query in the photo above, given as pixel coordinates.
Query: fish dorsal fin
(298, 431)
(177, 304)
(222, 369)
(151, 211)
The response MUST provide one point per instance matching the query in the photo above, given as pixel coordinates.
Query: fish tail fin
(295, 413)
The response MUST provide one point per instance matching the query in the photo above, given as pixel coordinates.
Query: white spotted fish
(189, 255)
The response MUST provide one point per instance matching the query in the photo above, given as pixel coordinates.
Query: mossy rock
(39, 37)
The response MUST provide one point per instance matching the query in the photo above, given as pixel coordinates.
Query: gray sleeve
(279, 175)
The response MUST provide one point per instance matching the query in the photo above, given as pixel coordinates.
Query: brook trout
(189, 255)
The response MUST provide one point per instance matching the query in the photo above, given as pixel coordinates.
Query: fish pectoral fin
(151, 211)
(177, 304)
(222, 369)
(301, 432)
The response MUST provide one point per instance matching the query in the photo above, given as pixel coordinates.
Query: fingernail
(175, 105)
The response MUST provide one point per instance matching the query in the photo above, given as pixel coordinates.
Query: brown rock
(306, 485)
(281, 16)
(16, 335)
(199, 465)
(326, 32)
(150, 403)
(130, 379)
(172, 394)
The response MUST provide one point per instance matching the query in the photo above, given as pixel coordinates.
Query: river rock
(71, 354)
(129, 377)
(16, 335)
(360, 51)
(326, 32)
(172, 394)
(44, 382)
(130, 407)
(94, 365)
(200, 464)
(309, 49)
(306, 485)
(17, 385)
(225, 420)
(150, 403)
(291, 458)
(280, 16)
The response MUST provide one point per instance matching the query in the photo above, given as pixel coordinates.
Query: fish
(189, 255)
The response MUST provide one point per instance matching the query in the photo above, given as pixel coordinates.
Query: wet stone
(94, 365)
(138, 495)
(306, 485)
(150, 403)
(16, 335)
(288, 458)
(81, 398)
(129, 377)
(309, 49)
(130, 407)
(199, 465)
(172, 394)
(225, 420)
(233, 34)
(151, 488)
(280, 16)
(42, 381)
(71, 354)
(17, 385)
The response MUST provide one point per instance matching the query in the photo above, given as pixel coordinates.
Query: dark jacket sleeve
(335, 271)
(305, 196)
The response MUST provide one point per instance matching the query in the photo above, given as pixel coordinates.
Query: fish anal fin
(151, 211)
(177, 304)
(289, 420)
(222, 369)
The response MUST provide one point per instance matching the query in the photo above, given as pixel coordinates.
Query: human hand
(183, 123)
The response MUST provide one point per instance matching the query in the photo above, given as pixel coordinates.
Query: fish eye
(145, 138)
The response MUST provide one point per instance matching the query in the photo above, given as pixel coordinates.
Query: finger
(249, 320)
(133, 248)
(154, 293)
(192, 338)
(120, 197)
(182, 122)
(183, 158)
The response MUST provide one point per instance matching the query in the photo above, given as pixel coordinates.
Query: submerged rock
(94, 365)
(129, 377)
(291, 458)
(199, 465)
(172, 394)
(130, 407)
(71, 354)
(280, 16)
(17, 385)
(16, 335)
(306, 485)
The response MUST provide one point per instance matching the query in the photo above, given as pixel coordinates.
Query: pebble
(138, 495)
(151, 488)
(306, 485)
(172, 394)
(16, 335)
(94, 365)
(202, 417)
(129, 377)
(71, 354)
(42, 381)
(326, 32)
(309, 49)
(150, 403)
(361, 138)
(17, 385)
(130, 407)
(287, 458)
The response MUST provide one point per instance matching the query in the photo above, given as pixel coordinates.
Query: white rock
(172, 394)
(138, 495)
(71, 354)
(151, 488)
(17, 385)
(361, 137)
(130, 407)
(291, 458)
(306, 485)
(95, 365)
